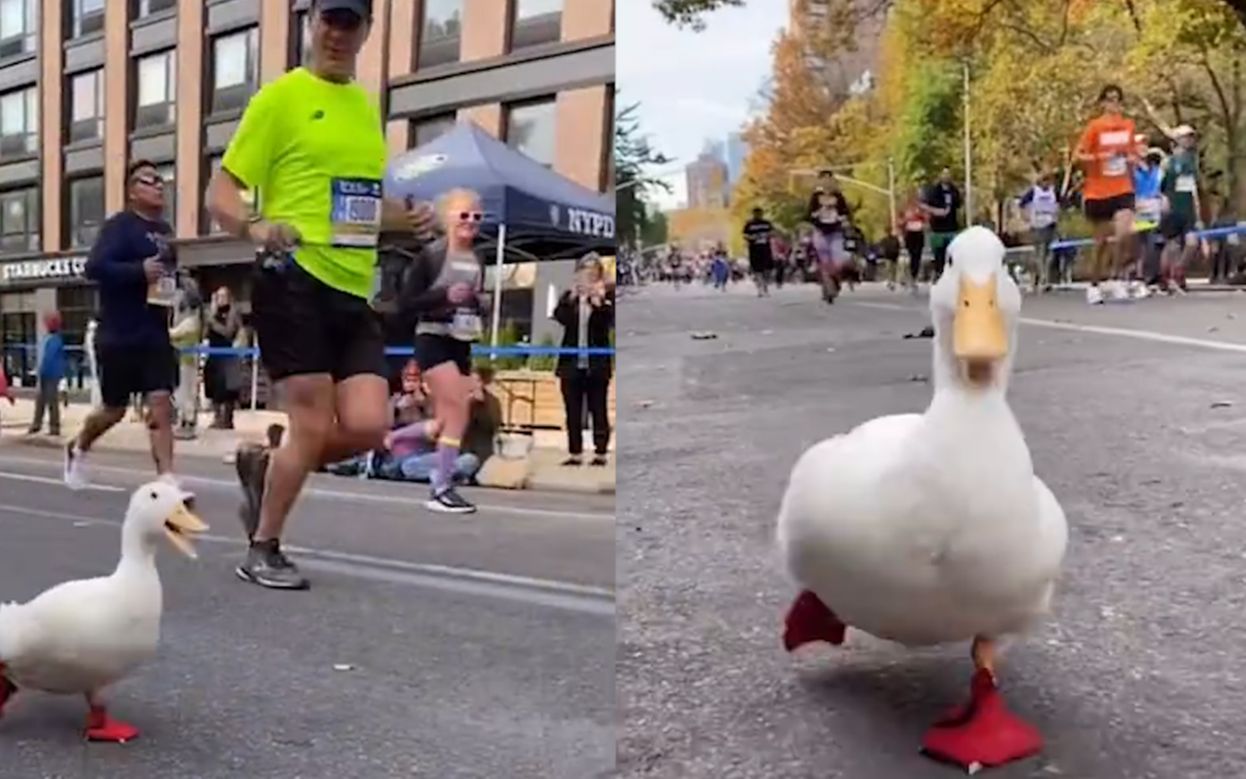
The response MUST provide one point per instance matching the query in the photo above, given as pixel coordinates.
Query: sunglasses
(151, 181)
(471, 216)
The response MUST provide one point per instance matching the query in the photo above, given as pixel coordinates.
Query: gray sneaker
(267, 566)
(251, 464)
(449, 501)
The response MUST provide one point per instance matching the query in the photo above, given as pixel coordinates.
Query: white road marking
(57, 482)
(406, 501)
(1121, 332)
(549, 592)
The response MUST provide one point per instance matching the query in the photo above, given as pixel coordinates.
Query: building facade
(86, 86)
(707, 180)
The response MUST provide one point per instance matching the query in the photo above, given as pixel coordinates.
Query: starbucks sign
(60, 268)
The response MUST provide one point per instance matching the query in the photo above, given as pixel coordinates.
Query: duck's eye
(965, 303)
(153, 495)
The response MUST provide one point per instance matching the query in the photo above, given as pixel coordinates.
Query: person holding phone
(586, 313)
(135, 266)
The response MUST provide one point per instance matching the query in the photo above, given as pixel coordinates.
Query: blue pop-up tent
(531, 211)
(536, 212)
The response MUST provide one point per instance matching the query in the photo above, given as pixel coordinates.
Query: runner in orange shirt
(1108, 155)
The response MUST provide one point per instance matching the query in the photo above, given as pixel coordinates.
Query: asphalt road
(477, 647)
(1139, 433)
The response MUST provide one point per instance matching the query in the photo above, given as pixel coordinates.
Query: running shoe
(76, 477)
(267, 566)
(251, 464)
(1094, 296)
(449, 501)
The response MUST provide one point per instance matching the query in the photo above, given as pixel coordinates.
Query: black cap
(362, 8)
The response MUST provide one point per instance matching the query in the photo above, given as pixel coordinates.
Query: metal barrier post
(255, 372)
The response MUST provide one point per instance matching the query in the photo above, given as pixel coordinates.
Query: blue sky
(693, 86)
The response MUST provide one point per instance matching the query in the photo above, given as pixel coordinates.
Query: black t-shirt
(116, 265)
(757, 233)
(828, 211)
(944, 196)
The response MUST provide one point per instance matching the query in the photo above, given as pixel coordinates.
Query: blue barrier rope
(1214, 232)
(393, 351)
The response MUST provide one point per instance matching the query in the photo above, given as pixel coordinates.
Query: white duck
(82, 636)
(931, 528)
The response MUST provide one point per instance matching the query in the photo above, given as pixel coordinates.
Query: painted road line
(1120, 332)
(405, 501)
(549, 592)
(58, 482)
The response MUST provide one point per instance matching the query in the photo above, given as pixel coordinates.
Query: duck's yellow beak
(181, 526)
(979, 337)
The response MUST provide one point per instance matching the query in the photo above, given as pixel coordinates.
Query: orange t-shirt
(1111, 176)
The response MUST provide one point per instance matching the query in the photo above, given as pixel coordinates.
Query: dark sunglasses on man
(151, 181)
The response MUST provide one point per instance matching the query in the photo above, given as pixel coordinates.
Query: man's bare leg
(160, 429)
(98, 422)
(309, 402)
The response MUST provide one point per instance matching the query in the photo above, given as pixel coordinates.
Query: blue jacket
(52, 360)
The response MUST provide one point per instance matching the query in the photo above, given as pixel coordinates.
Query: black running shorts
(307, 327)
(1105, 210)
(127, 370)
(433, 350)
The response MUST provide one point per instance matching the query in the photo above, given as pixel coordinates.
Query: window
(19, 220)
(430, 129)
(157, 90)
(208, 225)
(235, 69)
(148, 7)
(86, 116)
(535, 22)
(86, 210)
(530, 129)
(168, 172)
(19, 122)
(85, 17)
(301, 39)
(439, 35)
(18, 27)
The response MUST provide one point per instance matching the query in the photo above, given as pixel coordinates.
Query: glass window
(530, 129)
(148, 7)
(235, 69)
(535, 22)
(19, 122)
(19, 220)
(18, 27)
(439, 34)
(302, 39)
(85, 17)
(157, 90)
(86, 210)
(86, 119)
(430, 128)
(209, 225)
(168, 172)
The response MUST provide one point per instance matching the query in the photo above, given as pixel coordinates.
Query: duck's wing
(1054, 533)
(27, 628)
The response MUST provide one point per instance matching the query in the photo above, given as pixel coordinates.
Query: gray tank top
(462, 322)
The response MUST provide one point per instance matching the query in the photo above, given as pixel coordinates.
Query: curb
(530, 485)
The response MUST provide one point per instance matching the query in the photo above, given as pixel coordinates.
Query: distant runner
(1108, 155)
(758, 233)
(943, 203)
(829, 212)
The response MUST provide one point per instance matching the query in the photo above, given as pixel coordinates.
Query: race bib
(1116, 165)
(915, 226)
(1149, 209)
(162, 292)
(1042, 219)
(466, 326)
(1186, 183)
(355, 212)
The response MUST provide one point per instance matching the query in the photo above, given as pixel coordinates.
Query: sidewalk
(538, 469)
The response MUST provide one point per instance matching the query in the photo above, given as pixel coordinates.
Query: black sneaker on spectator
(599, 461)
(449, 501)
(573, 461)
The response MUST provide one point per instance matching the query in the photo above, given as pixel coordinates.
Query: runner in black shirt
(943, 203)
(758, 232)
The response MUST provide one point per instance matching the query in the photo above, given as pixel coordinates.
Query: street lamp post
(891, 187)
(968, 155)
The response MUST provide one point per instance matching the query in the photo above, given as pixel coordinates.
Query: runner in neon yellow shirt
(311, 147)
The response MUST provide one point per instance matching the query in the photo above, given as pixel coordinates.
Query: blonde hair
(454, 198)
(591, 262)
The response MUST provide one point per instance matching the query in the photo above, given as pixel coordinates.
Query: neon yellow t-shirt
(315, 152)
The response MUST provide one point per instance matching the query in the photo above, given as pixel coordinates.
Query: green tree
(633, 157)
(655, 232)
